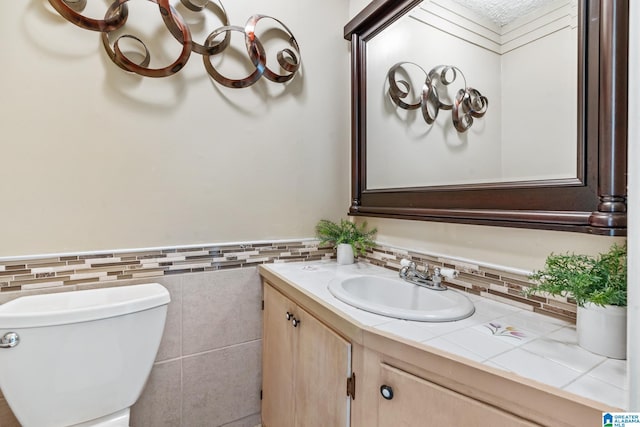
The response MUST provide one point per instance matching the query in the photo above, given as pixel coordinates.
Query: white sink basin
(402, 300)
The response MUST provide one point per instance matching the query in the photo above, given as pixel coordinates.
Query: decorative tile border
(67, 270)
(485, 281)
(58, 273)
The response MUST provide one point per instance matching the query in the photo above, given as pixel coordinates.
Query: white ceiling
(503, 11)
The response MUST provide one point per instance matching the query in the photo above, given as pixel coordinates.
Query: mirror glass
(521, 55)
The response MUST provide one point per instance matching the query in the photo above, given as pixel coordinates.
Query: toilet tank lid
(81, 306)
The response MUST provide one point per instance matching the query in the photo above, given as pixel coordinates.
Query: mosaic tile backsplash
(64, 272)
(78, 269)
(488, 282)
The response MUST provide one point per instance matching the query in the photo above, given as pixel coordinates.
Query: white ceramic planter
(344, 254)
(603, 330)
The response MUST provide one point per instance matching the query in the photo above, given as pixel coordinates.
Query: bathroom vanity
(326, 363)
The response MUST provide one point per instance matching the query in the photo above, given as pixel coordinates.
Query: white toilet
(80, 358)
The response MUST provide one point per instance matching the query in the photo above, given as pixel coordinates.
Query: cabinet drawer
(412, 401)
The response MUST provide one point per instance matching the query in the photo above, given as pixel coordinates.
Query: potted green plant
(347, 237)
(599, 286)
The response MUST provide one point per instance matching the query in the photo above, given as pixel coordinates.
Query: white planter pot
(603, 330)
(345, 254)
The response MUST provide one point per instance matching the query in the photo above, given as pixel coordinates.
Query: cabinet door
(323, 364)
(419, 403)
(277, 361)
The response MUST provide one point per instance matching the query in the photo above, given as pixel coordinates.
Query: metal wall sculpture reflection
(218, 40)
(467, 103)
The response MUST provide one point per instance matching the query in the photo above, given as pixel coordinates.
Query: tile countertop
(499, 335)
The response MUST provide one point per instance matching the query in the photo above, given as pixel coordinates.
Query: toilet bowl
(80, 358)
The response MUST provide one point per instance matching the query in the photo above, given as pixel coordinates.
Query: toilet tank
(81, 355)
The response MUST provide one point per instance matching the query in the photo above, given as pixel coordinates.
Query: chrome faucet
(411, 274)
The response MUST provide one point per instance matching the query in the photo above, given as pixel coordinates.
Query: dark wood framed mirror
(594, 201)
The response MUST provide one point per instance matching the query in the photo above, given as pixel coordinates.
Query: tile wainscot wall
(208, 368)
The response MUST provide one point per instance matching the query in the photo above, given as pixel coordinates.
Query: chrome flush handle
(9, 340)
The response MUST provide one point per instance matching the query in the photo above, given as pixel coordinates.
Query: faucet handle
(407, 263)
(408, 268)
(449, 273)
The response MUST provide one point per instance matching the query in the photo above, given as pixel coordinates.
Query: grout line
(575, 379)
(243, 418)
(181, 393)
(181, 286)
(221, 348)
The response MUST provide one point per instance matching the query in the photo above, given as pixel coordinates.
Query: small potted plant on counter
(347, 237)
(599, 286)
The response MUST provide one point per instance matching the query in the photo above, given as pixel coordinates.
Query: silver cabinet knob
(386, 392)
(295, 322)
(289, 316)
(9, 340)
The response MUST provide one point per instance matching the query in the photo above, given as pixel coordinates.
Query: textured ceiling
(503, 11)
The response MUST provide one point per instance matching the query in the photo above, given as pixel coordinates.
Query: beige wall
(533, 125)
(500, 246)
(356, 6)
(94, 158)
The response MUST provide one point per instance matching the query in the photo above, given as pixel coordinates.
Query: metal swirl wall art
(467, 104)
(218, 40)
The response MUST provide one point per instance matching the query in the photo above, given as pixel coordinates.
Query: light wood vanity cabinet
(305, 367)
